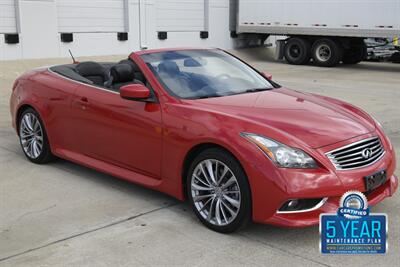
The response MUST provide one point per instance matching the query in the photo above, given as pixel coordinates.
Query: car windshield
(194, 74)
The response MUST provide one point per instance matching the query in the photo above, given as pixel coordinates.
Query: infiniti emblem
(366, 153)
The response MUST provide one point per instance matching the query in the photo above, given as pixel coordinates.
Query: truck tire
(326, 52)
(355, 54)
(297, 51)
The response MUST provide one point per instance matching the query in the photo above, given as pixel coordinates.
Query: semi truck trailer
(325, 31)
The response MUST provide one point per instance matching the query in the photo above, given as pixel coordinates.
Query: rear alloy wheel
(33, 138)
(297, 51)
(218, 191)
(326, 53)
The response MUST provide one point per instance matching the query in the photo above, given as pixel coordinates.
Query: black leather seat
(93, 71)
(122, 74)
(170, 68)
(138, 73)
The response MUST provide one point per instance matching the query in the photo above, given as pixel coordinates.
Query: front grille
(357, 155)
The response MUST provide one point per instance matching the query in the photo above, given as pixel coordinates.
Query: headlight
(377, 123)
(282, 155)
(383, 130)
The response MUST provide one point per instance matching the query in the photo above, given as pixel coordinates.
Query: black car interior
(110, 76)
(93, 71)
(120, 75)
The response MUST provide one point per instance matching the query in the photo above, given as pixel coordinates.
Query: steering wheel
(223, 76)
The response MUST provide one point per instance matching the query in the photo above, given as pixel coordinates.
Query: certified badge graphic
(353, 205)
(353, 230)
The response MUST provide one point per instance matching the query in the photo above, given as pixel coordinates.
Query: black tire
(45, 155)
(395, 58)
(297, 51)
(355, 54)
(243, 215)
(326, 52)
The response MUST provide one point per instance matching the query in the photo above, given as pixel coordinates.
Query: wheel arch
(19, 112)
(24, 107)
(197, 149)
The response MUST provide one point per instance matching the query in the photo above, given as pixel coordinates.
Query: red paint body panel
(134, 91)
(310, 119)
(147, 143)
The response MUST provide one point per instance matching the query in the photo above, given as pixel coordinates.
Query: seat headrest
(130, 63)
(90, 68)
(169, 67)
(122, 73)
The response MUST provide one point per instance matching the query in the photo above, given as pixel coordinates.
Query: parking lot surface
(63, 214)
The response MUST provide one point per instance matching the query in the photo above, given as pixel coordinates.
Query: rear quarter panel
(50, 95)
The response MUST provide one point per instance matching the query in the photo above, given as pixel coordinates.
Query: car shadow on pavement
(106, 180)
(138, 191)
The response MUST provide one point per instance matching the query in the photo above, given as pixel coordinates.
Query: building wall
(40, 22)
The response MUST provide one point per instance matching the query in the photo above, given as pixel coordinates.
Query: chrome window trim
(86, 84)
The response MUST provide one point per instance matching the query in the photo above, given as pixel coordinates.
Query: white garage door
(91, 16)
(7, 16)
(180, 15)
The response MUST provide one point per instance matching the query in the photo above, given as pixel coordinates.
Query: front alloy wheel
(219, 191)
(31, 135)
(215, 192)
(33, 138)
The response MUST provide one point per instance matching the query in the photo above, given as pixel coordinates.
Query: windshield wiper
(243, 92)
(257, 90)
(207, 96)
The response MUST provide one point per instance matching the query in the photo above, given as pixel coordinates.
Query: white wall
(91, 16)
(180, 15)
(40, 37)
(7, 16)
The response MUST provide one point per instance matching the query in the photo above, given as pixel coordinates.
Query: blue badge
(353, 230)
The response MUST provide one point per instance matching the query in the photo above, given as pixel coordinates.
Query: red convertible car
(202, 125)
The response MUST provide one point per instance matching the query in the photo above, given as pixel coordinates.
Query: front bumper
(272, 187)
(303, 219)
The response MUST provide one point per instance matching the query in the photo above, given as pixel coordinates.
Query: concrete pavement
(62, 214)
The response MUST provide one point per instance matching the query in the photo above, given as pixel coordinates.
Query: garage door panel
(180, 5)
(92, 4)
(71, 13)
(179, 27)
(89, 16)
(111, 23)
(187, 15)
(8, 22)
(180, 15)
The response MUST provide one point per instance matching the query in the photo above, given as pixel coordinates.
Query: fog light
(302, 205)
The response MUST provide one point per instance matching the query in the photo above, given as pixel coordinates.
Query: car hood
(315, 120)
